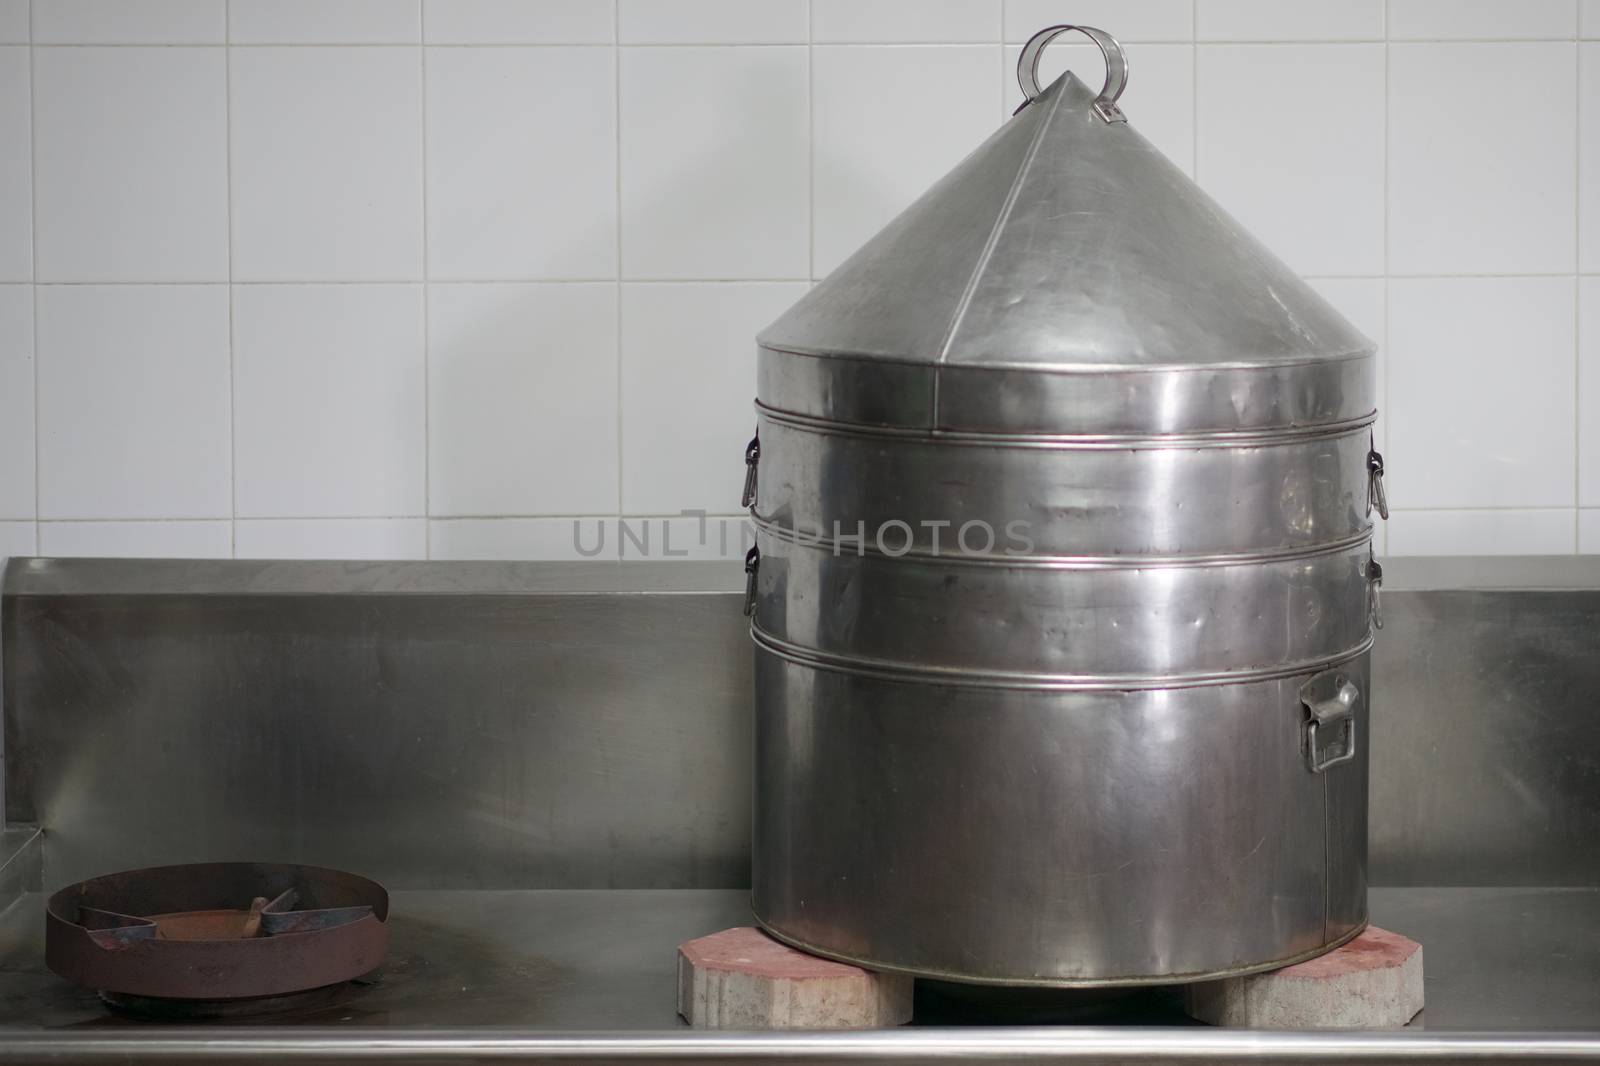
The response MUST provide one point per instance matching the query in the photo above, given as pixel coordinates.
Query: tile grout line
(1388, 355)
(233, 399)
(1172, 41)
(327, 282)
(999, 42)
(33, 251)
(616, 117)
(1577, 296)
(1007, 73)
(811, 140)
(427, 298)
(1002, 37)
(1000, 93)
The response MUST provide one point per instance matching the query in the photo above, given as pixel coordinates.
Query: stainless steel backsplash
(482, 725)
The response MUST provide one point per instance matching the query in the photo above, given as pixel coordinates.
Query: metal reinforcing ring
(1105, 105)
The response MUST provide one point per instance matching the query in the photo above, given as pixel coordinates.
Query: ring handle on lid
(1105, 105)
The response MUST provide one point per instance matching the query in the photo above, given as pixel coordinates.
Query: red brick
(743, 979)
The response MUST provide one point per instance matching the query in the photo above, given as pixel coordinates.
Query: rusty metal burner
(216, 932)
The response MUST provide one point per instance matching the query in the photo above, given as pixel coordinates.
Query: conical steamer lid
(1066, 278)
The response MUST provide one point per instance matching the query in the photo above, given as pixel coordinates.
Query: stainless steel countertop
(167, 577)
(266, 577)
(524, 975)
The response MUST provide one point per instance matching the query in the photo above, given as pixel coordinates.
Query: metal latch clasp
(1376, 497)
(752, 457)
(752, 563)
(1374, 586)
(1331, 699)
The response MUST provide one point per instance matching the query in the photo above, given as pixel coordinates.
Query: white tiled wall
(410, 278)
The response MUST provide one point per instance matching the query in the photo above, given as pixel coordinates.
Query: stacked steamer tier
(1063, 590)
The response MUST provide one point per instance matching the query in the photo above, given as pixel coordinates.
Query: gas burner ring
(216, 933)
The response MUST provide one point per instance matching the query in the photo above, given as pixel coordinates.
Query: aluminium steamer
(1063, 589)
